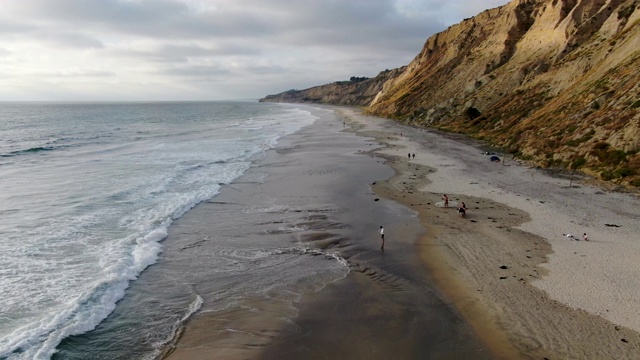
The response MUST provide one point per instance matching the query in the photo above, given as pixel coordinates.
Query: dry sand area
(506, 265)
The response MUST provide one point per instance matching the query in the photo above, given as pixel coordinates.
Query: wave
(39, 340)
(270, 210)
(28, 151)
(165, 347)
(329, 255)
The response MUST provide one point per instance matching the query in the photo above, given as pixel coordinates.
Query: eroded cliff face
(552, 81)
(555, 82)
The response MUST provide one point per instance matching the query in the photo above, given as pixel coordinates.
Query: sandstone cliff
(555, 82)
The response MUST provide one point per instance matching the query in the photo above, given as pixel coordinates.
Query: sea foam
(85, 215)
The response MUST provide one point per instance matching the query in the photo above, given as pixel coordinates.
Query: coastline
(504, 275)
(506, 265)
(318, 181)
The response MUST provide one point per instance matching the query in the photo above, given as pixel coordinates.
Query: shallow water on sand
(301, 222)
(245, 255)
(311, 196)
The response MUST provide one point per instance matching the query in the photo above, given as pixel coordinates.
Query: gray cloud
(68, 74)
(173, 53)
(292, 21)
(151, 18)
(266, 70)
(200, 71)
(220, 50)
(76, 74)
(242, 47)
(221, 72)
(9, 27)
(72, 40)
(99, 11)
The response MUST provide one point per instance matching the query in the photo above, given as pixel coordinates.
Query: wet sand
(500, 283)
(506, 265)
(386, 307)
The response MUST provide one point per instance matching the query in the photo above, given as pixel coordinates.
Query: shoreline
(318, 181)
(498, 274)
(495, 264)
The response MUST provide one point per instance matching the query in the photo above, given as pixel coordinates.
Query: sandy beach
(501, 283)
(506, 265)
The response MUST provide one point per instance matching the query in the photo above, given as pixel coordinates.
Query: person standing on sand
(461, 211)
(446, 200)
(409, 155)
(585, 237)
(382, 237)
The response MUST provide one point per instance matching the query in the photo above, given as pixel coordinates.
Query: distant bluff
(356, 91)
(556, 82)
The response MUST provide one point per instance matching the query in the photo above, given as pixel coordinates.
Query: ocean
(88, 194)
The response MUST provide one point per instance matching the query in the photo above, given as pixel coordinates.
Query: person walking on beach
(382, 237)
(409, 156)
(446, 200)
(461, 211)
(585, 237)
(413, 155)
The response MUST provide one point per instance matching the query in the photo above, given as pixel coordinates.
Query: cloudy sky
(208, 49)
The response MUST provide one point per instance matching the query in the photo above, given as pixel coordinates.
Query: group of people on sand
(462, 207)
(462, 211)
(571, 237)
